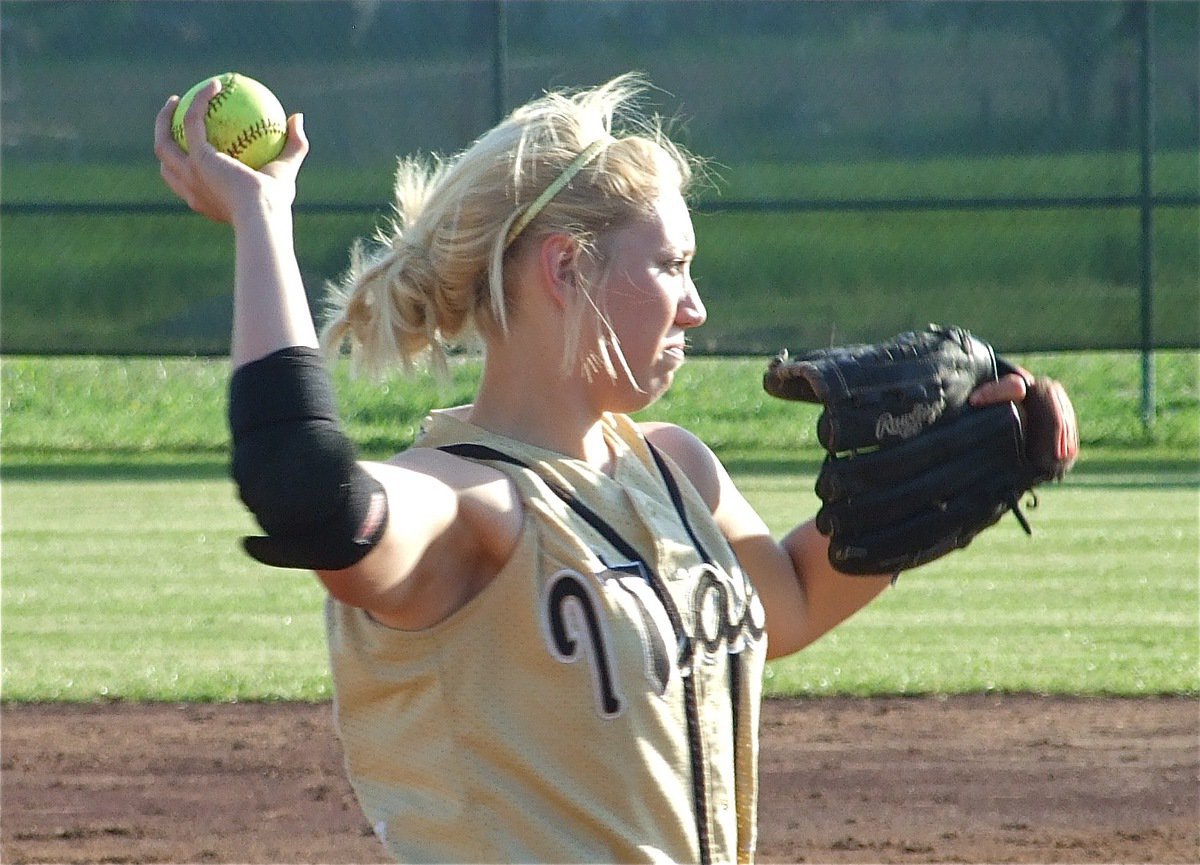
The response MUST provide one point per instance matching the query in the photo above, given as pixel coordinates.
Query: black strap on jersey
(593, 519)
(677, 501)
(735, 660)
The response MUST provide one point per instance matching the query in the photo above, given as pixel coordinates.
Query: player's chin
(656, 385)
(649, 388)
(651, 379)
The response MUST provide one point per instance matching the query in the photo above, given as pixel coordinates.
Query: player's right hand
(218, 186)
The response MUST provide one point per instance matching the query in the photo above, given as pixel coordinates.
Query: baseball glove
(912, 470)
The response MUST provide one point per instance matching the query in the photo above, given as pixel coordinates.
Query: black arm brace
(296, 470)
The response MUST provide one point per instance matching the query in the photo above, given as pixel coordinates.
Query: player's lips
(675, 351)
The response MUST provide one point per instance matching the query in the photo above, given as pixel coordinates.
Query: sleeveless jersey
(598, 701)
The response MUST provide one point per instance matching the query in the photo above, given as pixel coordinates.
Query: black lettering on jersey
(656, 625)
(711, 603)
(576, 629)
(726, 611)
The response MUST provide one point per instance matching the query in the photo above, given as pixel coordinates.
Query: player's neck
(541, 407)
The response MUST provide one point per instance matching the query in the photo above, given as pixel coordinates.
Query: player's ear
(558, 266)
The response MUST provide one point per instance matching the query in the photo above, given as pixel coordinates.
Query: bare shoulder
(486, 499)
(453, 471)
(691, 454)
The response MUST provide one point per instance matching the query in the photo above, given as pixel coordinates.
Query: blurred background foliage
(874, 165)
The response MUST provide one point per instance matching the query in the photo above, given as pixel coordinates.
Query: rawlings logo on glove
(912, 470)
(907, 425)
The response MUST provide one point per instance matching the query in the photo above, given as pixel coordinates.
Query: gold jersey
(598, 701)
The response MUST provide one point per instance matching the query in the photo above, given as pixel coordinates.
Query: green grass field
(123, 578)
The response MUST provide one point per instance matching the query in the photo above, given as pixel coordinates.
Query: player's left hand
(930, 438)
(1051, 428)
(218, 186)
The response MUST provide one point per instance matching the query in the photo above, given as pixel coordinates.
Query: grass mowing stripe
(147, 597)
(1102, 599)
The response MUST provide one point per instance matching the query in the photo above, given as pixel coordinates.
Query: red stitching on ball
(252, 134)
(177, 132)
(221, 95)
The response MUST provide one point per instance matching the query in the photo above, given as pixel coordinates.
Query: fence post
(500, 61)
(1145, 19)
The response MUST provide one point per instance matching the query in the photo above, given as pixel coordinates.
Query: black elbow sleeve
(296, 470)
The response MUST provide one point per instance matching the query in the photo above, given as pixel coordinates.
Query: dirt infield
(972, 779)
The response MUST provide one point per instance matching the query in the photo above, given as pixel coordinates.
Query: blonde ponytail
(435, 275)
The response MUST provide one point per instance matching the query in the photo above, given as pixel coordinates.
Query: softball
(244, 120)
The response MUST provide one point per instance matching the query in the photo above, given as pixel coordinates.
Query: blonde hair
(435, 274)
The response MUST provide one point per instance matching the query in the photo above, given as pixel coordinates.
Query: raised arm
(270, 308)
(382, 537)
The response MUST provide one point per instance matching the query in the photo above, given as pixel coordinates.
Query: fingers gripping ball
(244, 120)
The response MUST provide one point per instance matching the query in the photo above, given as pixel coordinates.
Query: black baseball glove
(912, 470)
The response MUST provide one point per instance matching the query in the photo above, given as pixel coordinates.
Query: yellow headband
(553, 189)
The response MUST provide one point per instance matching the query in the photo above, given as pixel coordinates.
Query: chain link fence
(1028, 170)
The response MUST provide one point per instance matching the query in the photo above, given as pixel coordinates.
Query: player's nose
(691, 311)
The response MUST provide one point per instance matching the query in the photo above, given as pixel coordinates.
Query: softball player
(547, 623)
